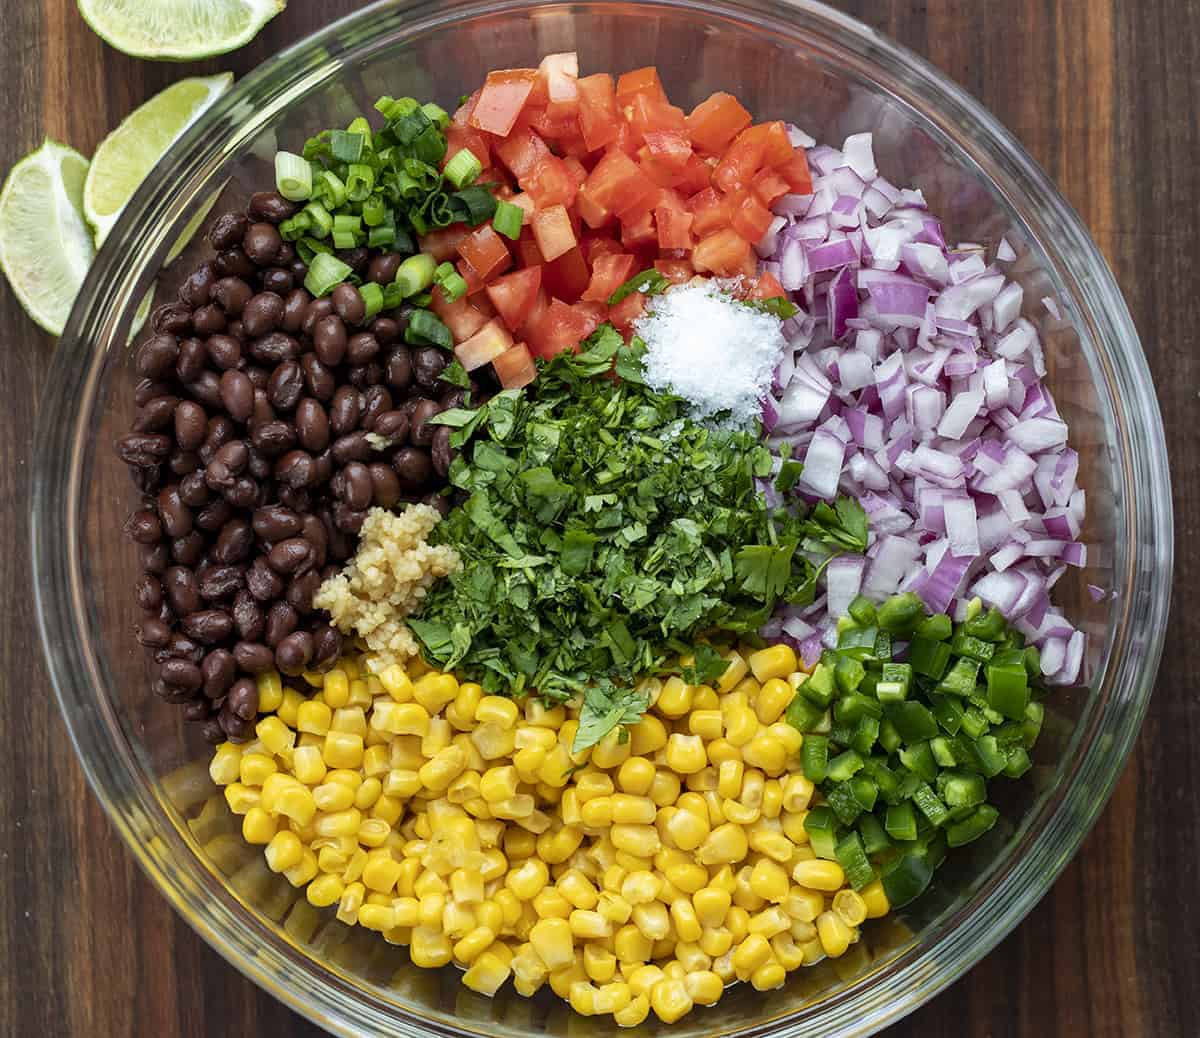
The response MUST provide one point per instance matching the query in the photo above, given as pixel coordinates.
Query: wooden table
(1104, 94)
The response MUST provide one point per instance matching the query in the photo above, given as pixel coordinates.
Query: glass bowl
(799, 61)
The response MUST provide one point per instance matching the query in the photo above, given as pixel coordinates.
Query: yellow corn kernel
(488, 913)
(551, 939)
(308, 764)
(466, 886)
(639, 840)
(518, 844)
(304, 871)
(652, 920)
(434, 690)
(297, 803)
(687, 924)
(589, 925)
(556, 767)
(597, 812)
(770, 921)
(457, 920)
(537, 713)
(642, 979)
(741, 725)
(339, 823)
(380, 874)
(670, 1000)
(711, 904)
(361, 695)
(647, 736)
(772, 699)
(804, 905)
(437, 737)
(465, 787)
(769, 880)
(768, 976)
(834, 934)
(729, 778)
(791, 739)
(429, 947)
(705, 698)
(395, 681)
(818, 874)
(775, 661)
(527, 879)
(270, 691)
(366, 794)
(225, 766)
(797, 792)
(705, 723)
(510, 905)
(614, 907)
(721, 750)
(343, 749)
(275, 735)
(349, 719)
(675, 699)
(734, 672)
(350, 902)
(634, 1013)
(737, 919)
(631, 945)
(725, 845)
(258, 827)
(685, 754)
(314, 717)
(493, 866)
(487, 974)
(592, 784)
(474, 944)
(636, 776)
(437, 774)
(687, 830)
(578, 889)
(497, 710)
(499, 783)
(875, 900)
(284, 851)
(556, 847)
(716, 941)
(632, 810)
(599, 963)
(665, 788)
(687, 877)
(255, 768)
(751, 953)
(792, 823)
(767, 752)
(611, 752)
(850, 907)
(771, 843)
(401, 719)
(324, 891)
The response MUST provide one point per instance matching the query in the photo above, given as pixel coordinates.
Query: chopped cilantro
(648, 282)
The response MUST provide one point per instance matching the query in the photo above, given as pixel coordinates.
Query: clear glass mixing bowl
(799, 61)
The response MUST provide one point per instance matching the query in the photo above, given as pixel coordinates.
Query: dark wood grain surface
(1104, 93)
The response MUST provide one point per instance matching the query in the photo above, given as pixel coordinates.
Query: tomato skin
(600, 245)
(669, 148)
(617, 185)
(459, 138)
(443, 243)
(521, 151)
(486, 252)
(461, 317)
(723, 253)
(553, 232)
(777, 147)
(649, 115)
(639, 81)
(769, 186)
(471, 276)
(528, 253)
(514, 294)
(796, 172)
(749, 217)
(765, 286)
(515, 367)
(500, 101)
(716, 121)
(550, 183)
(742, 159)
(566, 277)
(560, 327)
(599, 123)
(710, 209)
(485, 345)
(677, 271)
(609, 272)
(462, 114)
(626, 312)
(673, 228)
(639, 232)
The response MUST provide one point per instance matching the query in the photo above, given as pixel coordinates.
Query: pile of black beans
(250, 450)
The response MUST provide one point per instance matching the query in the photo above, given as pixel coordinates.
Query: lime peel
(178, 30)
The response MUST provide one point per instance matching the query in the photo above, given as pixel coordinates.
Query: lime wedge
(179, 30)
(45, 245)
(127, 154)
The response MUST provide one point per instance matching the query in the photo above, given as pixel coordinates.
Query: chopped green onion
(508, 219)
(360, 182)
(381, 237)
(346, 146)
(347, 222)
(345, 240)
(293, 176)
(332, 190)
(454, 287)
(649, 282)
(372, 295)
(424, 329)
(320, 222)
(436, 114)
(324, 272)
(472, 205)
(416, 274)
(374, 212)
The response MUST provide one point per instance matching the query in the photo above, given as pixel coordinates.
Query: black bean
(278, 280)
(274, 523)
(270, 206)
(282, 620)
(293, 310)
(248, 615)
(242, 700)
(386, 330)
(184, 463)
(262, 314)
(237, 330)
(147, 480)
(237, 395)
(329, 340)
(224, 351)
(191, 425)
(258, 375)
(176, 517)
(234, 542)
(214, 515)
(181, 673)
(345, 410)
(393, 426)
(273, 438)
(196, 286)
(315, 311)
(197, 710)
(293, 653)
(358, 486)
(365, 375)
(301, 590)
(245, 493)
(209, 319)
(217, 582)
(254, 657)
(318, 379)
(385, 485)
(147, 389)
(274, 348)
(233, 262)
(191, 360)
(156, 356)
(208, 626)
(261, 243)
(264, 583)
(437, 501)
(231, 294)
(212, 732)
(294, 555)
(193, 491)
(376, 401)
(143, 526)
(327, 646)
(258, 466)
(218, 671)
(148, 591)
(156, 414)
(152, 633)
(285, 385)
(295, 469)
(347, 519)
(361, 348)
(234, 728)
(153, 558)
(398, 368)
(352, 447)
(226, 230)
(286, 255)
(428, 363)
(421, 432)
(183, 592)
(382, 268)
(182, 647)
(341, 547)
(220, 431)
(440, 451)
(312, 425)
(299, 269)
(453, 397)
(175, 318)
(348, 303)
(189, 549)
(414, 468)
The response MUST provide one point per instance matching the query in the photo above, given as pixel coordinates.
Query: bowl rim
(946, 110)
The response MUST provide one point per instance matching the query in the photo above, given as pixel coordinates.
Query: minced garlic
(387, 580)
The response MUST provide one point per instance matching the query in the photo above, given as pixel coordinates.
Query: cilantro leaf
(776, 306)
(648, 282)
(707, 665)
(456, 375)
(605, 707)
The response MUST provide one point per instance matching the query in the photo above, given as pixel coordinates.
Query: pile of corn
(635, 876)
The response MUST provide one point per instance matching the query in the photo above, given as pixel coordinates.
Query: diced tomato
(677, 271)
(592, 213)
(598, 120)
(626, 312)
(647, 114)
(596, 247)
(553, 231)
(610, 272)
(723, 253)
(513, 295)
(461, 317)
(715, 122)
(639, 81)
(471, 276)
(526, 204)
(617, 185)
(483, 305)
(765, 286)
(711, 210)
(639, 232)
(485, 345)
(459, 138)
(462, 114)
(500, 101)
(661, 175)
(521, 151)
(553, 125)
(626, 140)
(550, 183)
(673, 227)
(515, 367)
(576, 169)
(566, 277)
(742, 159)
(443, 243)
(777, 145)
(485, 250)
(796, 172)
(528, 253)
(696, 175)
(671, 148)
(749, 217)
(561, 75)
(560, 327)
(768, 186)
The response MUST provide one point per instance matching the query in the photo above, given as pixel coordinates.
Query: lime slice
(127, 154)
(45, 246)
(180, 30)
